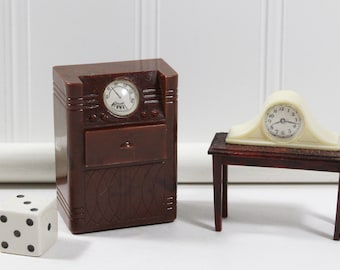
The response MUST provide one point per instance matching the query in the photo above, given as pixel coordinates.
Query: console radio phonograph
(116, 144)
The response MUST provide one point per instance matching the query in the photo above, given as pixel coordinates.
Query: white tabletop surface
(269, 227)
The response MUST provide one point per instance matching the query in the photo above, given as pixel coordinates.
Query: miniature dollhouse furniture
(116, 130)
(224, 154)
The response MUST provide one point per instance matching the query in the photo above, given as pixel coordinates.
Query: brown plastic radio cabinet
(116, 144)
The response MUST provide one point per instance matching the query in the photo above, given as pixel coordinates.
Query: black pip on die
(28, 225)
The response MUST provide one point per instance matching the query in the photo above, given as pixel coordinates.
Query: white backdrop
(230, 55)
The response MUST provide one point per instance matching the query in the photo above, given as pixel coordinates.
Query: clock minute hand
(117, 93)
(293, 123)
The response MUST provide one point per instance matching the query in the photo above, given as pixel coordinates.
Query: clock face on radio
(121, 98)
(282, 122)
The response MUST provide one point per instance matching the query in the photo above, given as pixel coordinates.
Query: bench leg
(217, 175)
(337, 217)
(225, 191)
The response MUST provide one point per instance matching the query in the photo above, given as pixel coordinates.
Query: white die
(28, 225)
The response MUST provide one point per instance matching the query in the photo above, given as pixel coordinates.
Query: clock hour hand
(278, 122)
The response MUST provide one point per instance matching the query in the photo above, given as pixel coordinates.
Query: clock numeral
(282, 121)
(120, 107)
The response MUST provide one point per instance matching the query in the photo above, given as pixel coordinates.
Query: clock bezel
(135, 107)
(279, 139)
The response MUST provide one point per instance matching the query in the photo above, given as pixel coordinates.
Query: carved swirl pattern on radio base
(123, 194)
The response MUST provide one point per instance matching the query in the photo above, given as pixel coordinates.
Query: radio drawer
(125, 145)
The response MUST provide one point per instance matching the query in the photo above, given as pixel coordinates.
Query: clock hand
(117, 93)
(293, 123)
(278, 122)
(283, 121)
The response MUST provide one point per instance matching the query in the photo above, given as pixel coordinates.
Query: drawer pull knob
(126, 145)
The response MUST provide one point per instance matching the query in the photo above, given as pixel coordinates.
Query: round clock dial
(282, 122)
(121, 97)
